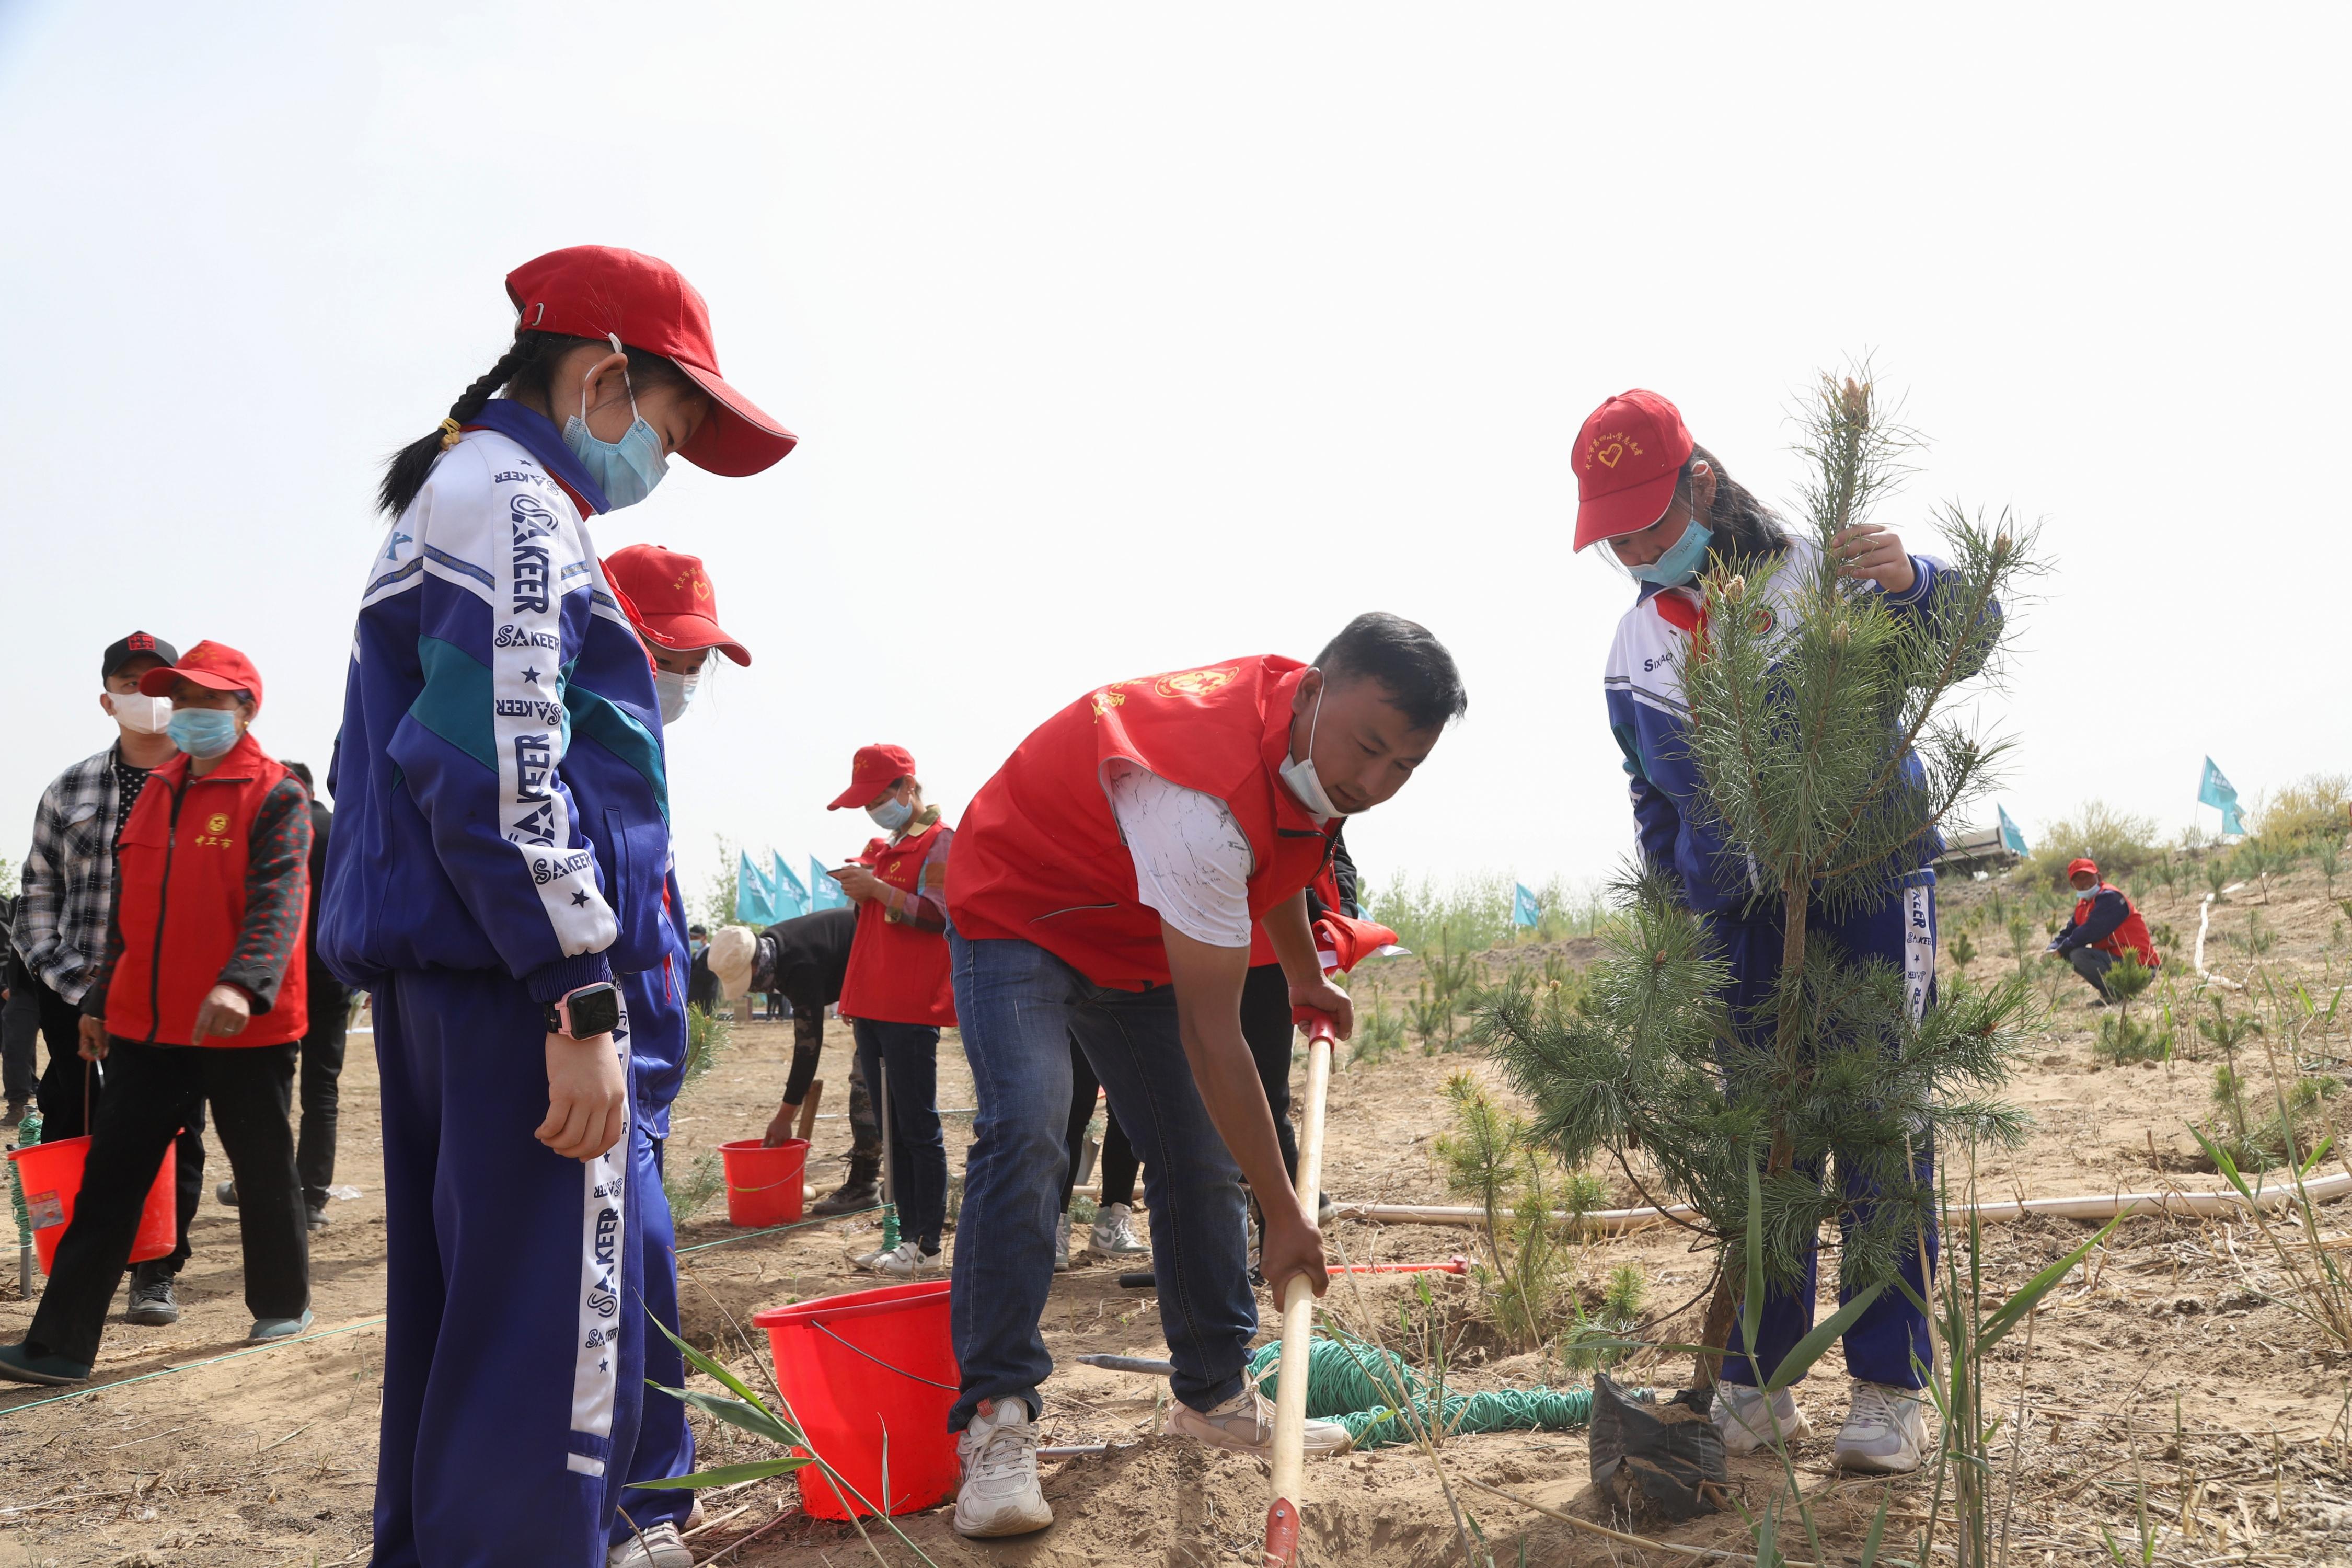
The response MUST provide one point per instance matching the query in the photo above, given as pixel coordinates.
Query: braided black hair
(527, 367)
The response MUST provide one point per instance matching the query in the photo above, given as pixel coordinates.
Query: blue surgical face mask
(627, 469)
(892, 814)
(203, 732)
(1682, 561)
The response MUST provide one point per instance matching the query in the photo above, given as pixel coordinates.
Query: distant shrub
(2314, 806)
(2119, 841)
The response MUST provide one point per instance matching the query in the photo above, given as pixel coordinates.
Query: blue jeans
(906, 1057)
(1019, 1007)
(1888, 1343)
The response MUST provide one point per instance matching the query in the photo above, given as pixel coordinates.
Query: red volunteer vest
(897, 973)
(1039, 856)
(2129, 937)
(180, 883)
(1324, 885)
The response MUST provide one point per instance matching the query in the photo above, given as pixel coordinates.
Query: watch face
(595, 1011)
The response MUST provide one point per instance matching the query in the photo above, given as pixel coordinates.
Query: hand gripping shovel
(1299, 1312)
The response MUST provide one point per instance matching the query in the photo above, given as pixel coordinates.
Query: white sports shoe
(1062, 1244)
(904, 1261)
(659, 1547)
(1884, 1432)
(1740, 1415)
(1246, 1422)
(1114, 1232)
(998, 1453)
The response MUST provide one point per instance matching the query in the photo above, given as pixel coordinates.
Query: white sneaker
(1115, 1231)
(1246, 1422)
(998, 1455)
(658, 1547)
(904, 1261)
(1884, 1432)
(1062, 1244)
(1740, 1415)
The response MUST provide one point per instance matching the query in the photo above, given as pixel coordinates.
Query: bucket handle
(877, 1361)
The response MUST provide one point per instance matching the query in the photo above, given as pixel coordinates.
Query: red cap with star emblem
(1627, 458)
(876, 769)
(589, 290)
(214, 666)
(668, 596)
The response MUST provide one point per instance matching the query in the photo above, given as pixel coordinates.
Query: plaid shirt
(69, 879)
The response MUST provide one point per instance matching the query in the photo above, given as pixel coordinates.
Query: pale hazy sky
(1121, 340)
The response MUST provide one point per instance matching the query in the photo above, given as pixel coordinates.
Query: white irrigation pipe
(2204, 917)
(2089, 1206)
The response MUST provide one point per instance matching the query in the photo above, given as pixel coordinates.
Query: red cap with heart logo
(668, 596)
(1627, 458)
(590, 291)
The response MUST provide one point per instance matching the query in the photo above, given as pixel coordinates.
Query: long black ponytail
(527, 367)
(1742, 525)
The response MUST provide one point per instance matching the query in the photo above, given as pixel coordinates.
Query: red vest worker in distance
(199, 995)
(895, 993)
(2106, 925)
(1105, 888)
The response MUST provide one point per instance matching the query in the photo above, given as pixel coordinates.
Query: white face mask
(1301, 778)
(675, 692)
(141, 714)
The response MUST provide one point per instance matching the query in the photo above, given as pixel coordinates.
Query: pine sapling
(1822, 721)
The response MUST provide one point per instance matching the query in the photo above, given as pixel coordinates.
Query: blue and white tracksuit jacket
(502, 838)
(1648, 715)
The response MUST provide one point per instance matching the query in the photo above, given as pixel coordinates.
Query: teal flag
(2214, 789)
(824, 893)
(2010, 838)
(755, 899)
(792, 899)
(1523, 909)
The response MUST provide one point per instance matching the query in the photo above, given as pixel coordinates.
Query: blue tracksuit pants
(1888, 1343)
(513, 1349)
(664, 1443)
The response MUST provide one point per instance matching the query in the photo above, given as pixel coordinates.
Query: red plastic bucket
(764, 1185)
(51, 1174)
(864, 1370)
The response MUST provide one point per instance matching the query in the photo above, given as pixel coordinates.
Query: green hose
(1357, 1385)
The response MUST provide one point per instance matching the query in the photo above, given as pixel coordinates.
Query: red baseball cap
(590, 291)
(876, 769)
(668, 596)
(211, 664)
(2085, 864)
(1627, 458)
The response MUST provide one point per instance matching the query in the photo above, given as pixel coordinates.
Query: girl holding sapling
(498, 873)
(1666, 512)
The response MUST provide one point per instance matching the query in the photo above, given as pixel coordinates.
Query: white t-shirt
(1193, 862)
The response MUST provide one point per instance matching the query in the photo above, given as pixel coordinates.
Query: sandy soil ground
(2166, 1380)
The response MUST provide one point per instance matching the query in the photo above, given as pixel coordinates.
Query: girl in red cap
(1667, 510)
(501, 859)
(671, 603)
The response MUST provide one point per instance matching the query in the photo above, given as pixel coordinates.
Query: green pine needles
(1822, 721)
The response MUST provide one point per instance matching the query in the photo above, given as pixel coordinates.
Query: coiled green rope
(1357, 1385)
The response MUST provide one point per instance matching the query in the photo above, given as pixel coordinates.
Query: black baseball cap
(122, 652)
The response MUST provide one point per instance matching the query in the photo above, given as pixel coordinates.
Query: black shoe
(226, 1194)
(854, 1195)
(20, 1365)
(153, 1305)
(16, 1113)
(319, 1220)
